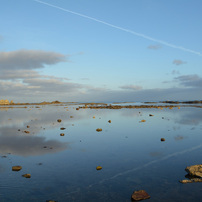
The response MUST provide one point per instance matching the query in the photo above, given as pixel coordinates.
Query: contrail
(123, 29)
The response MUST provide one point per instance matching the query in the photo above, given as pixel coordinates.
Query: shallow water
(63, 168)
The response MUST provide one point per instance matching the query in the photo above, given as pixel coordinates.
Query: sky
(100, 50)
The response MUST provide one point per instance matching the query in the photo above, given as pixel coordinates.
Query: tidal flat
(99, 152)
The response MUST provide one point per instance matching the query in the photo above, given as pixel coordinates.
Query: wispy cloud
(154, 47)
(131, 87)
(190, 80)
(178, 62)
(174, 72)
(29, 59)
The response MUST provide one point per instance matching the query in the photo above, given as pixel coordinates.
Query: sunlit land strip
(123, 29)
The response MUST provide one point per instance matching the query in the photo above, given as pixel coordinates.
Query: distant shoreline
(114, 105)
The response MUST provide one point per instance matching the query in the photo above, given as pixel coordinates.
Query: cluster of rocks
(194, 174)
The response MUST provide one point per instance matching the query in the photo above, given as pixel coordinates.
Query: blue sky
(100, 51)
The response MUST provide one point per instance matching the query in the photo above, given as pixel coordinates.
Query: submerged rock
(163, 139)
(59, 120)
(139, 195)
(62, 134)
(99, 129)
(109, 121)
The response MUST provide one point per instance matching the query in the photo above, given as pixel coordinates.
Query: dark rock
(163, 139)
(59, 120)
(99, 129)
(139, 195)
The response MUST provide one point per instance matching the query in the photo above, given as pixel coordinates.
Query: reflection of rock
(195, 170)
(179, 137)
(140, 195)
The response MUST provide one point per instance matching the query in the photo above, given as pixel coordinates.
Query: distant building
(4, 102)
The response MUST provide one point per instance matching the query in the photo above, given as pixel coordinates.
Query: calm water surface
(63, 168)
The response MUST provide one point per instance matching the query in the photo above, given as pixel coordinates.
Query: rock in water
(16, 168)
(139, 195)
(191, 180)
(98, 168)
(27, 175)
(195, 170)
